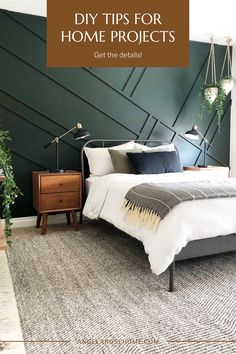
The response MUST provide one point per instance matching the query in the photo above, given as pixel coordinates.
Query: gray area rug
(94, 290)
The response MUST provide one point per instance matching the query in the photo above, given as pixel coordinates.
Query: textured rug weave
(94, 290)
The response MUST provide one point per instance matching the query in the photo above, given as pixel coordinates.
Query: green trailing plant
(218, 104)
(227, 77)
(8, 189)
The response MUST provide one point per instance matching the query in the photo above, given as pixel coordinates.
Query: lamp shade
(193, 133)
(81, 134)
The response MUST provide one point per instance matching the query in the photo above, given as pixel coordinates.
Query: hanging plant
(212, 95)
(208, 94)
(226, 79)
(8, 189)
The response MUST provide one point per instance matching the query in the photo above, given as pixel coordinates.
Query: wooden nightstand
(211, 171)
(57, 192)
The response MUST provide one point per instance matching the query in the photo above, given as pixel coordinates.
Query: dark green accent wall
(38, 103)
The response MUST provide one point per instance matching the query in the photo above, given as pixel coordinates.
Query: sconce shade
(81, 134)
(193, 133)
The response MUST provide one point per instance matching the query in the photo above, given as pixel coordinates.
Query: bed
(181, 235)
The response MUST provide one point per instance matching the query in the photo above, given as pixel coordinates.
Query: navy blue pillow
(155, 162)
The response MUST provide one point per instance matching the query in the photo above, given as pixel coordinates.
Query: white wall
(233, 122)
(34, 7)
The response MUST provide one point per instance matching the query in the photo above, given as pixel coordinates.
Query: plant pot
(211, 93)
(227, 85)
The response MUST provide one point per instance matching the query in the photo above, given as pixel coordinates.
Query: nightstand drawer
(63, 183)
(60, 201)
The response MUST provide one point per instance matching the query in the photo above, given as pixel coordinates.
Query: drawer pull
(60, 184)
(60, 201)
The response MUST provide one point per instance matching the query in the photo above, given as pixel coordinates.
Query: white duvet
(186, 222)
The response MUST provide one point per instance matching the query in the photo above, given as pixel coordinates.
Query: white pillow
(99, 159)
(167, 147)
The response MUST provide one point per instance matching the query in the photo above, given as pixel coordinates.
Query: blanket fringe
(143, 217)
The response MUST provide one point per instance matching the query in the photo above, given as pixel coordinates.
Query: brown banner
(118, 33)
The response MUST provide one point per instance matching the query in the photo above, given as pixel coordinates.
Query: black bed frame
(194, 249)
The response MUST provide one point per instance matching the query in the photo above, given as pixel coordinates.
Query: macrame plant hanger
(211, 89)
(226, 81)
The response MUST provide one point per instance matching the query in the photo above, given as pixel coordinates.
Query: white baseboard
(31, 220)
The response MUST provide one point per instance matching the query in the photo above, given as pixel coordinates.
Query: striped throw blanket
(146, 204)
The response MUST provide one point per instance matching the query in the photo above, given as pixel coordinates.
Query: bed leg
(171, 280)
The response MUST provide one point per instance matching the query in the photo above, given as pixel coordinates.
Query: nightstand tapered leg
(38, 222)
(44, 224)
(75, 222)
(68, 218)
(81, 217)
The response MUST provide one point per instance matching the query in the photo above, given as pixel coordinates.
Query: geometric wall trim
(38, 103)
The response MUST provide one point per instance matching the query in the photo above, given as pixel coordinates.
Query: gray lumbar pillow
(120, 161)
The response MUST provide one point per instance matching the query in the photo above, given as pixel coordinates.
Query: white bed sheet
(186, 222)
(89, 182)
